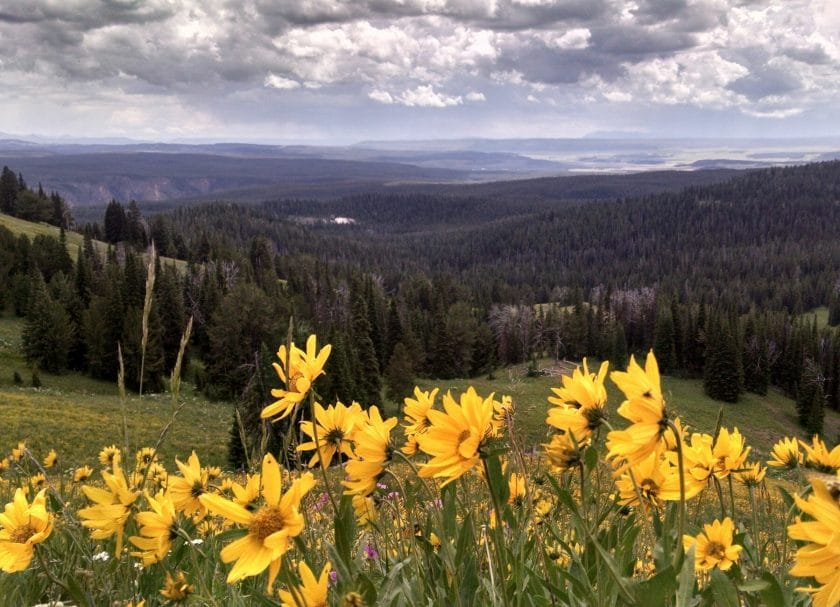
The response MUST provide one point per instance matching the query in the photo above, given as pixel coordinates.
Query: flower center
(716, 550)
(335, 436)
(197, 489)
(649, 489)
(268, 520)
(21, 534)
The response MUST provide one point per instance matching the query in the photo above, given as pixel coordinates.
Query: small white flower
(197, 542)
(101, 556)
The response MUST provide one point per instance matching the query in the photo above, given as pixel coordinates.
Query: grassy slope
(74, 239)
(77, 415)
(762, 419)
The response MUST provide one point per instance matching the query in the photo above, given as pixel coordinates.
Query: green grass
(74, 239)
(763, 420)
(77, 415)
(821, 314)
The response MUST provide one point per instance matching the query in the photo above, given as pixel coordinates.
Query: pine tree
(47, 335)
(366, 366)
(115, 222)
(722, 378)
(663, 344)
(756, 357)
(399, 374)
(810, 390)
(816, 412)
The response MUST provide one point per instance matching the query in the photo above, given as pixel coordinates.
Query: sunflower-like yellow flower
(751, 474)
(51, 459)
(416, 411)
(22, 525)
(158, 528)
(713, 546)
(106, 456)
(564, 452)
(502, 412)
(336, 429)
(785, 454)
(516, 489)
(819, 458)
(580, 404)
(364, 508)
(820, 557)
(311, 592)
(4, 463)
(177, 589)
(113, 505)
(270, 528)
(19, 451)
(699, 460)
(730, 452)
(454, 438)
(373, 451)
(657, 480)
(82, 474)
(145, 457)
(38, 481)
(583, 389)
(297, 369)
(185, 490)
(645, 408)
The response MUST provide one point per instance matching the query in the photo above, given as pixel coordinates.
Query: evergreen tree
(47, 335)
(619, 357)
(722, 378)
(366, 366)
(816, 412)
(756, 357)
(399, 374)
(663, 344)
(809, 391)
(243, 322)
(8, 191)
(115, 222)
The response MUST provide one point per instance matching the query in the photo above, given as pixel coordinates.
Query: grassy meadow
(74, 239)
(77, 415)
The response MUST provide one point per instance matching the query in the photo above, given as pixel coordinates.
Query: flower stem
(322, 465)
(497, 543)
(681, 468)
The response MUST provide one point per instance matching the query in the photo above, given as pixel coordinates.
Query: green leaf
(772, 595)
(723, 590)
(656, 590)
(590, 458)
(686, 580)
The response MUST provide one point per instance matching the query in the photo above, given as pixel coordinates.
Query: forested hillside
(714, 278)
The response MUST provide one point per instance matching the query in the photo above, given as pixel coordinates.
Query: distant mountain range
(92, 172)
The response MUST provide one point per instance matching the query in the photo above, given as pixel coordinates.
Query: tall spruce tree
(722, 379)
(47, 334)
(368, 382)
(664, 345)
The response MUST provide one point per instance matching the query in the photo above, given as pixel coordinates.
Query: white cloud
(381, 96)
(279, 82)
(577, 38)
(425, 96)
(476, 96)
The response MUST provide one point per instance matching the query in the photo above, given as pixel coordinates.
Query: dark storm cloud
(96, 13)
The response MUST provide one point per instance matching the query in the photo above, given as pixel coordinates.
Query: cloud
(279, 82)
(425, 96)
(226, 59)
(382, 97)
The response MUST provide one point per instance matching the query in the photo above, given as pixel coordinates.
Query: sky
(340, 71)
